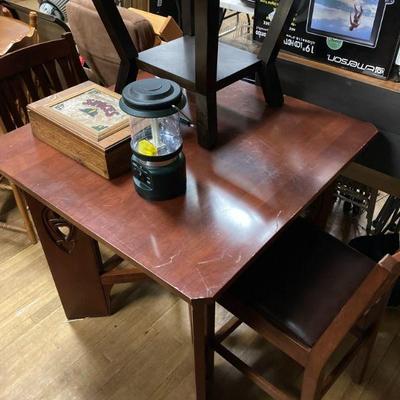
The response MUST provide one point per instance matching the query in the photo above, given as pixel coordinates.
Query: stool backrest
(34, 72)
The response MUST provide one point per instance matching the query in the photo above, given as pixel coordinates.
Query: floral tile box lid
(85, 123)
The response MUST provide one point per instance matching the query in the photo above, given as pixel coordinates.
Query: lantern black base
(160, 182)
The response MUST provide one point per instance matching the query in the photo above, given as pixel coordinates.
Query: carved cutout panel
(60, 231)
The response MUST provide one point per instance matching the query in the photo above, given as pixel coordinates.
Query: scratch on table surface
(220, 258)
(171, 260)
(277, 220)
(215, 259)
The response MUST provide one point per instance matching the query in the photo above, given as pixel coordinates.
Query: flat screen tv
(352, 21)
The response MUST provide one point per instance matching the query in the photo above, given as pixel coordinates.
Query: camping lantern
(158, 163)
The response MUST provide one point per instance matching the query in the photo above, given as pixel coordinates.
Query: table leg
(74, 261)
(322, 207)
(203, 322)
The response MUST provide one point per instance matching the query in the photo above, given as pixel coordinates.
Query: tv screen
(351, 21)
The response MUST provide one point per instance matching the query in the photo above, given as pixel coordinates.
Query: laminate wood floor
(141, 352)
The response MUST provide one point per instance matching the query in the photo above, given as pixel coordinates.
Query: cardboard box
(164, 27)
(85, 123)
(359, 35)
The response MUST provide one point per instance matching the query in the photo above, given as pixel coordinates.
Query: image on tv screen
(349, 20)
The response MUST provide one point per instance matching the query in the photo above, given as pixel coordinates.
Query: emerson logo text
(356, 65)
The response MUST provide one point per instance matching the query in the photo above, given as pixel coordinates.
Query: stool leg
(312, 384)
(364, 355)
(206, 119)
(187, 12)
(270, 84)
(371, 209)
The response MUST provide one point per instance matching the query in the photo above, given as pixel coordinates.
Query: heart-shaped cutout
(60, 230)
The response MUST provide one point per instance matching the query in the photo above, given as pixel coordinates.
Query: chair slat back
(375, 287)
(35, 72)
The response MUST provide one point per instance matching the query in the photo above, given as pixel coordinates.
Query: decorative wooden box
(85, 123)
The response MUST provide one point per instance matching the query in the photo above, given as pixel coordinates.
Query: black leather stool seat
(302, 281)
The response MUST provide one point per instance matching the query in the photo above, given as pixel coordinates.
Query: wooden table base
(270, 165)
(74, 261)
(203, 325)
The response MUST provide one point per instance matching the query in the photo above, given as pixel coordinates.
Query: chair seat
(302, 281)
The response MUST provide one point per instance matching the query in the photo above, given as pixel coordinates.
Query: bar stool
(304, 296)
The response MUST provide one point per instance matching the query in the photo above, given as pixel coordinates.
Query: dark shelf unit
(198, 62)
(176, 61)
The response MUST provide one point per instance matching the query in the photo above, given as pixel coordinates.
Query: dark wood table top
(270, 164)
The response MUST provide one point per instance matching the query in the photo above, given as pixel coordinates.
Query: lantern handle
(185, 119)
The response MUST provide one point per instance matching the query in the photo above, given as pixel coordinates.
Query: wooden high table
(268, 166)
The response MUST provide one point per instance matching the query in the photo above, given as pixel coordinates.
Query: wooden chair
(304, 296)
(27, 75)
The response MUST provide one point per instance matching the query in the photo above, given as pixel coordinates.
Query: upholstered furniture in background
(93, 40)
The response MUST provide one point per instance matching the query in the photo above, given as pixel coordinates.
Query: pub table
(269, 165)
